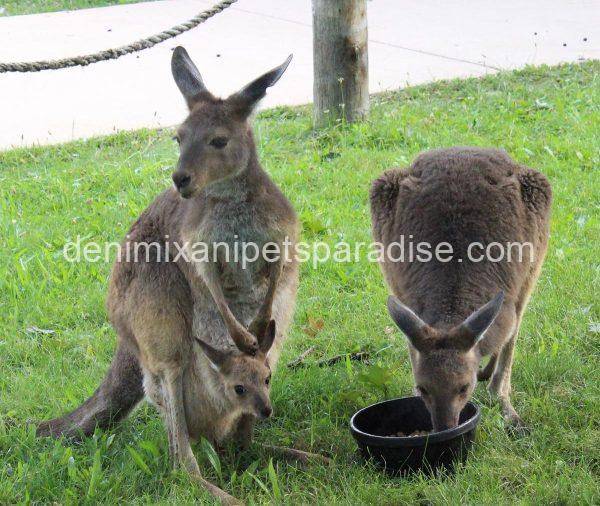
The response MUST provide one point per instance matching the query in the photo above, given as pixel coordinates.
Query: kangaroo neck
(237, 187)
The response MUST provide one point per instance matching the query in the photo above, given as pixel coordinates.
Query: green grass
(545, 117)
(15, 7)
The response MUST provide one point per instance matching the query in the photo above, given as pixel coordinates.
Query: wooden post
(341, 65)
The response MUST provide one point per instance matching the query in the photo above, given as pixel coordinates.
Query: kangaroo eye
(463, 389)
(240, 389)
(219, 142)
(268, 380)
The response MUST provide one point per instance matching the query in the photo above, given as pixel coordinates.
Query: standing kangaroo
(201, 338)
(462, 310)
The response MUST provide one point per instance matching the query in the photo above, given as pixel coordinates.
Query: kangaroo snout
(263, 408)
(443, 419)
(266, 412)
(444, 425)
(182, 182)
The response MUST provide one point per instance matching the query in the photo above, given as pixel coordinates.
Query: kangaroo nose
(439, 426)
(181, 180)
(444, 417)
(266, 412)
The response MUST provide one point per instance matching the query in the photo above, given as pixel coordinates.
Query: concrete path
(410, 42)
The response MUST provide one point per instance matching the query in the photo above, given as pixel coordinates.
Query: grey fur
(161, 310)
(461, 195)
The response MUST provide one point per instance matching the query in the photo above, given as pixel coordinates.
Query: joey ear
(217, 357)
(415, 329)
(186, 75)
(472, 330)
(266, 341)
(246, 99)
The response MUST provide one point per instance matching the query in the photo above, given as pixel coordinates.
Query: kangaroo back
(460, 196)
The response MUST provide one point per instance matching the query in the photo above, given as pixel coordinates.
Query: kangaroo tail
(112, 401)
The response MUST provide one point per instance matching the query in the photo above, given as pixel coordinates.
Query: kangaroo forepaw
(245, 341)
(259, 327)
(483, 375)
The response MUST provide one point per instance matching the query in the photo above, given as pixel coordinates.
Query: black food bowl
(399, 455)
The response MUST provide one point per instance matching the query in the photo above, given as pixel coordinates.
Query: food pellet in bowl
(412, 434)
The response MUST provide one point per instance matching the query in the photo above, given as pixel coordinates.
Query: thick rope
(113, 54)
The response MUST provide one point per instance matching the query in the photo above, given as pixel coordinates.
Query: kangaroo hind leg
(161, 324)
(500, 384)
(181, 449)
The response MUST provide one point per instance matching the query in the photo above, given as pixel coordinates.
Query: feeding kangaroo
(457, 312)
(201, 338)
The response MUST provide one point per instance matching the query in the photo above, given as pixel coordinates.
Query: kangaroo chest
(229, 241)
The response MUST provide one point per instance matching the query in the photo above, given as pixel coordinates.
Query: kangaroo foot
(183, 458)
(293, 455)
(514, 423)
(216, 492)
(191, 466)
(517, 427)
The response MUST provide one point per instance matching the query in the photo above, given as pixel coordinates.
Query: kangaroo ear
(217, 357)
(415, 329)
(186, 75)
(472, 330)
(266, 341)
(246, 99)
